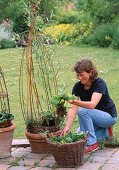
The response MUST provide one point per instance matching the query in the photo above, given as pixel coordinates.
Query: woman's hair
(86, 65)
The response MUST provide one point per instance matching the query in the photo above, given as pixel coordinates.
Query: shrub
(115, 42)
(62, 32)
(103, 34)
(84, 30)
(21, 24)
(66, 16)
(7, 44)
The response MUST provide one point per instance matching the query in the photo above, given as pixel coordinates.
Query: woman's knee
(82, 112)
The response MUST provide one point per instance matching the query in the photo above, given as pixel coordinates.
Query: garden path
(23, 159)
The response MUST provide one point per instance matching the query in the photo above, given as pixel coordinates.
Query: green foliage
(101, 143)
(112, 141)
(102, 10)
(36, 164)
(7, 44)
(115, 42)
(103, 35)
(61, 32)
(66, 16)
(20, 24)
(30, 121)
(39, 22)
(61, 98)
(10, 9)
(15, 162)
(49, 119)
(4, 116)
(68, 138)
(84, 31)
(46, 9)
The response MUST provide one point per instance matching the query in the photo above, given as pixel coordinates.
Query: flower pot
(6, 136)
(38, 143)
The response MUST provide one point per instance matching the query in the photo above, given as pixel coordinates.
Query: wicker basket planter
(68, 155)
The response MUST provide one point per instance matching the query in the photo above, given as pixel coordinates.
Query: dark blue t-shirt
(105, 104)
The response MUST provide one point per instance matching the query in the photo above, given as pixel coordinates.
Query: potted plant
(6, 134)
(68, 150)
(5, 119)
(6, 126)
(59, 101)
(37, 85)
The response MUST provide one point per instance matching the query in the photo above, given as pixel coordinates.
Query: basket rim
(66, 144)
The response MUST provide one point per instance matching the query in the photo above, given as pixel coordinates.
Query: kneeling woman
(97, 111)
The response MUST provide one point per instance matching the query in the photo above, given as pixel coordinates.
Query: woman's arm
(88, 104)
(85, 104)
(71, 115)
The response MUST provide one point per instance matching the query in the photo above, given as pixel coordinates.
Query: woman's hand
(65, 130)
(88, 104)
(75, 102)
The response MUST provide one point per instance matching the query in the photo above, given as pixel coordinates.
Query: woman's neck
(87, 85)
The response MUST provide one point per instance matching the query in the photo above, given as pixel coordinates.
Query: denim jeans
(96, 123)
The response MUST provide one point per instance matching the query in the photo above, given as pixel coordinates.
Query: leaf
(73, 97)
(67, 105)
(55, 101)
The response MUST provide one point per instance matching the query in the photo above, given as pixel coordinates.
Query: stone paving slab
(110, 167)
(19, 168)
(65, 168)
(90, 166)
(27, 162)
(105, 159)
(20, 143)
(48, 163)
(105, 152)
(41, 168)
(3, 167)
(21, 152)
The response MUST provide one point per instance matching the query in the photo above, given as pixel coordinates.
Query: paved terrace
(23, 159)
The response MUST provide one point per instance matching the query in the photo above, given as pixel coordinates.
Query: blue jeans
(96, 123)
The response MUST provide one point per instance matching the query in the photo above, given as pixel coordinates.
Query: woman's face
(84, 77)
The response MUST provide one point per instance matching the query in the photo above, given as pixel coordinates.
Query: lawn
(106, 60)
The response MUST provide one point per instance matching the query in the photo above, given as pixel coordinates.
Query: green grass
(106, 60)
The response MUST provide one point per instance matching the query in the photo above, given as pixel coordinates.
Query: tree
(103, 10)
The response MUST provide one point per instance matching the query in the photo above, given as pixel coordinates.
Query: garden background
(74, 30)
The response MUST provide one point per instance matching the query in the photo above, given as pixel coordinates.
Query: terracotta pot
(6, 136)
(38, 143)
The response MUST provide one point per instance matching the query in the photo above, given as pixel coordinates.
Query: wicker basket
(68, 155)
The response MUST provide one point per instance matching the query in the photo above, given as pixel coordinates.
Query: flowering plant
(8, 25)
(62, 32)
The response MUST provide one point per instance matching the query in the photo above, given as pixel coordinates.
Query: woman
(97, 111)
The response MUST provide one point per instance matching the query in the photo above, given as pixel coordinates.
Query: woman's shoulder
(77, 85)
(100, 80)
